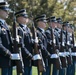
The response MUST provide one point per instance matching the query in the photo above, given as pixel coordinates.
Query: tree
(64, 8)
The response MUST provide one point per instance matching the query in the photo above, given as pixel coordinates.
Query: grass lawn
(34, 72)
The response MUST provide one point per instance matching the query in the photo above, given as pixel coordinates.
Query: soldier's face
(59, 25)
(69, 29)
(4, 14)
(22, 20)
(65, 28)
(42, 24)
(27, 20)
(54, 25)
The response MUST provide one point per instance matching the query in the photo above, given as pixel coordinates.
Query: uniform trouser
(6, 71)
(48, 69)
(55, 71)
(27, 70)
(71, 69)
(68, 70)
(62, 71)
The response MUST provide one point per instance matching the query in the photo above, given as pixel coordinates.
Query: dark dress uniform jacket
(49, 38)
(24, 33)
(43, 45)
(5, 44)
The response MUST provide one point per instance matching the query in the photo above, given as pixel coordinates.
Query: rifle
(62, 51)
(40, 62)
(17, 47)
(68, 52)
(55, 51)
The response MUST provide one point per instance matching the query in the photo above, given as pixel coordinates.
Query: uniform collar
(64, 31)
(70, 33)
(41, 29)
(23, 25)
(51, 29)
(58, 29)
(3, 21)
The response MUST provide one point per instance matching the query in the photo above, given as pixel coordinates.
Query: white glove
(17, 38)
(54, 41)
(36, 40)
(36, 57)
(63, 44)
(54, 56)
(15, 56)
(68, 42)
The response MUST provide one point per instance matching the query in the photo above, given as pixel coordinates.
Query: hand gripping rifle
(40, 62)
(68, 52)
(55, 51)
(62, 51)
(17, 47)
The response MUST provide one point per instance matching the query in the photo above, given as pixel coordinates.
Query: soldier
(25, 34)
(5, 41)
(58, 29)
(67, 45)
(41, 25)
(70, 69)
(73, 43)
(52, 22)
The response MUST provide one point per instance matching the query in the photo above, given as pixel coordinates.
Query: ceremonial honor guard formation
(52, 48)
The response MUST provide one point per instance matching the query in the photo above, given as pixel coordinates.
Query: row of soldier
(55, 44)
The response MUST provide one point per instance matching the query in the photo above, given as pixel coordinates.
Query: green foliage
(48, 7)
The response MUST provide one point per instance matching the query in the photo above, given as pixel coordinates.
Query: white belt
(73, 53)
(62, 54)
(67, 53)
(54, 56)
(36, 57)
